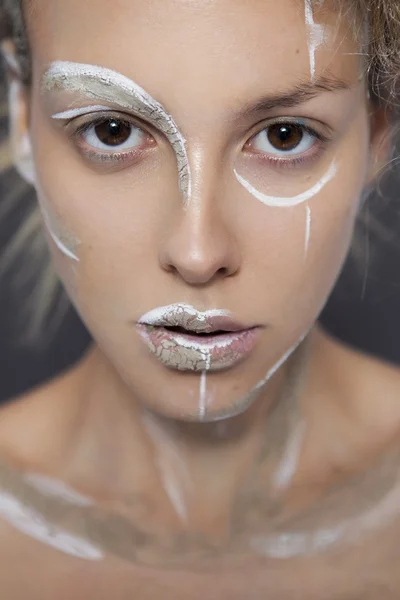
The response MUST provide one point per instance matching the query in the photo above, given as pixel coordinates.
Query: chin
(199, 397)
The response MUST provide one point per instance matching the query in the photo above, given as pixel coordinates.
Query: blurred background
(363, 311)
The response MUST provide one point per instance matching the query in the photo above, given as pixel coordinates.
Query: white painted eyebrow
(100, 83)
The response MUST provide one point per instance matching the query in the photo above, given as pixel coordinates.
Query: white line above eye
(78, 112)
(102, 84)
(294, 200)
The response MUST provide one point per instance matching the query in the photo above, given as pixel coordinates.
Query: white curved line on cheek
(62, 247)
(293, 201)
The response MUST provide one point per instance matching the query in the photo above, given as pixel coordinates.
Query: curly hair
(376, 24)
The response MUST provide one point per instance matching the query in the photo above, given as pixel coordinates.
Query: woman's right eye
(112, 134)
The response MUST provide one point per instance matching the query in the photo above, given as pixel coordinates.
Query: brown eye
(285, 137)
(113, 132)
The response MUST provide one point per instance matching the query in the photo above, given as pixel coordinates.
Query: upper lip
(190, 319)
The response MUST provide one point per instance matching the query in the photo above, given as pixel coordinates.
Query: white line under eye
(293, 138)
(113, 135)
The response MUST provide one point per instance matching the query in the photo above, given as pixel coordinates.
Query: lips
(185, 339)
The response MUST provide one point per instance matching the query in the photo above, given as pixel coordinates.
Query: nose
(200, 246)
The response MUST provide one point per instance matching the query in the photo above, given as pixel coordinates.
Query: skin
(126, 433)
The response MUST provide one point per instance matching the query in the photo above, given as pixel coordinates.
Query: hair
(376, 25)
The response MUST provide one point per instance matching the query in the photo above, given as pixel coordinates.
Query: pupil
(113, 132)
(285, 137)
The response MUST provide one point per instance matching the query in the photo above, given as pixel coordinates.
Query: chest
(366, 570)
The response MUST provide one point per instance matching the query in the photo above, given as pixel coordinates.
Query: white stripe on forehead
(105, 84)
(316, 35)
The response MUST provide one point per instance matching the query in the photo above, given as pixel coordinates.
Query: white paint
(200, 346)
(173, 471)
(158, 316)
(203, 387)
(57, 489)
(295, 200)
(287, 469)
(100, 83)
(308, 229)
(293, 544)
(251, 396)
(316, 36)
(78, 112)
(23, 158)
(62, 247)
(33, 524)
(280, 363)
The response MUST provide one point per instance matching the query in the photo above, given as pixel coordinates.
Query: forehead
(206, 46)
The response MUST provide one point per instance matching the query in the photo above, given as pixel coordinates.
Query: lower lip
(185, 352)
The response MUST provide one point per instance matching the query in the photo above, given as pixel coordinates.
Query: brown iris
(285, 136)
(113, 132)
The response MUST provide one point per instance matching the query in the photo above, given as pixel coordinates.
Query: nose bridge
(200, 245)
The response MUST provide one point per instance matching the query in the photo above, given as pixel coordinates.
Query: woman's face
(196, 156)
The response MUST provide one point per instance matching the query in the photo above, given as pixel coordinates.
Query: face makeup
(246, 401)
(24, 163)
(316, 35)
(203, 400)
(104, 84)
(308, 229)
(57, 240)
(186, 339)
(65, 242)
(274, 201)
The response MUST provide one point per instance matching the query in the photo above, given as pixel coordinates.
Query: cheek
(114, 224)
(296, 253)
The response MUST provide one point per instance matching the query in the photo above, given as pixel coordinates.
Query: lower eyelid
(292, 161)
(111, 157)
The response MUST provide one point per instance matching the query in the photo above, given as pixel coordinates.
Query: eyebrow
(301, 93)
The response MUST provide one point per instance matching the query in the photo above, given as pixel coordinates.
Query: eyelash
(112, 156)
(117, 157)
(295, 162)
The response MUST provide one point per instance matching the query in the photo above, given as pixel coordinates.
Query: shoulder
(30, 423)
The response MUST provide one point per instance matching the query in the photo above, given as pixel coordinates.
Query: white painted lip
(191, 319)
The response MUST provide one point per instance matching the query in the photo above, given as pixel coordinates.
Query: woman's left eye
(113, 134)
(282, 140)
